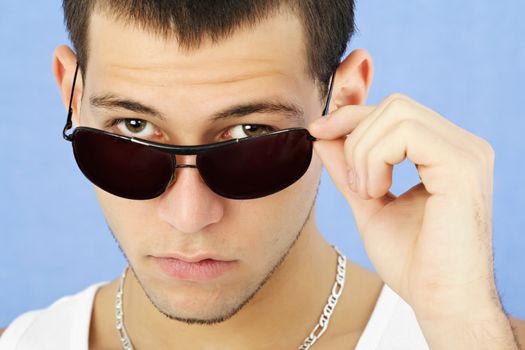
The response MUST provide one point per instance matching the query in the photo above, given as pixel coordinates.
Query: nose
(188, 204)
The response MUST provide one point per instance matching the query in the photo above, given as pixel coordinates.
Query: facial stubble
(233, 311)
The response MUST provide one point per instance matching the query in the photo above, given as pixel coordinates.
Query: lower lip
(198, 271)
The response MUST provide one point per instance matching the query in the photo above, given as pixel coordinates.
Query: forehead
(266, 62)
(273, 46)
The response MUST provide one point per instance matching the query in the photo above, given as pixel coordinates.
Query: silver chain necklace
(316, 333)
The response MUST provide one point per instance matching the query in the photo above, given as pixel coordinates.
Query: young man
(221, 240)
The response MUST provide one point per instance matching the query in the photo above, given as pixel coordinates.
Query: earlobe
(64, 65)
(353, 79)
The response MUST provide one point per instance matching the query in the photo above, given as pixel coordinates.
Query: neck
(281, 315)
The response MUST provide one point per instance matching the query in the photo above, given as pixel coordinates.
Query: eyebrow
(110, 101)
(290, 110)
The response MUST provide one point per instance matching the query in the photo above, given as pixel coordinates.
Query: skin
(438, 260)
(188, 88)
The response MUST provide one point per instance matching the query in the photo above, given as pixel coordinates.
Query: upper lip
(192, 258)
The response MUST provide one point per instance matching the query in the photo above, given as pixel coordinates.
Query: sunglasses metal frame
(187, 150)
(183, 150)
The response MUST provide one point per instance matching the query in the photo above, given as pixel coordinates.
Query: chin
(210, 307)
(194, 302)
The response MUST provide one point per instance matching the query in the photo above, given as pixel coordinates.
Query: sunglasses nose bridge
(177, 164)
(182, 166)
(182, 161)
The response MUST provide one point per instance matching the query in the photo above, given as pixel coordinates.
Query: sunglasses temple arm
(327, 105)
(69, 122)
(329, 97)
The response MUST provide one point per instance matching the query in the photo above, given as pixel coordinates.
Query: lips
(193, 258)
(197, 267)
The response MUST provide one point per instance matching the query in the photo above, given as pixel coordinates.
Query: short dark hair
(328, 24)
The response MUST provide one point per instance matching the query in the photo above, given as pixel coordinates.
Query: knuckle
(396, 104)
(470, 166)
(407, 127)
(489, 156)
(397, 96)
(463, 159)
(485, 152)
(489, 151)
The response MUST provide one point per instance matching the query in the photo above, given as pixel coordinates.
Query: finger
(331, 153)
(437, 160)
(389, 113)
(340, 122)
(371, 131)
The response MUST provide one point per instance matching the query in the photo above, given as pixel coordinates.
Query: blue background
(464, 59)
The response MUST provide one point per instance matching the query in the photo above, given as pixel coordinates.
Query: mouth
(200, 267)
(193, 258)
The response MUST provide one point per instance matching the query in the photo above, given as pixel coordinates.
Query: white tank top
(65, 325)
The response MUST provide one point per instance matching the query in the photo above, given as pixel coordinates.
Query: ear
(353, 79)
(64, 65)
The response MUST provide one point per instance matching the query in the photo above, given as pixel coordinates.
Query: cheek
(109, 206)
(250, 229)
(129, 220)
(268, 225)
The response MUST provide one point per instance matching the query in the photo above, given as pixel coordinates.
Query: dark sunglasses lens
(257, 167)
(121, 167)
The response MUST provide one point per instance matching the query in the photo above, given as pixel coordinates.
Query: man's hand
(432, 244)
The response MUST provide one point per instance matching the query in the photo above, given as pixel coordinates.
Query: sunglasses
(244, 168)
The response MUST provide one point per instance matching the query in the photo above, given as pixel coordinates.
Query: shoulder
(51, 325)
(518, 326)
(2, 330)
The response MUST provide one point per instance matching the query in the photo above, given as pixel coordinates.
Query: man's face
(188, 88)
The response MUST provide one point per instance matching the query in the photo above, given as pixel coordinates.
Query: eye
(135, 128)
(249, 130)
